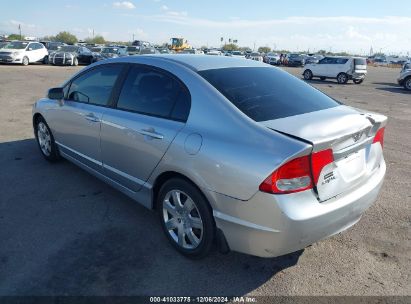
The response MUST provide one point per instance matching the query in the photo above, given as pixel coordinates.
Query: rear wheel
(342, 78)
(308, 75)
(186, 218)
(45, 140)
(407, 83)
(25, 61)
(358, 81)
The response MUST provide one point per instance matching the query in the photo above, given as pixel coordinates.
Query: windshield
(54, 46)
(3, 44)
(131, 49)
(96, 50)
(69, 48)
(267, 93)
(295, 56)
(237, 53)
(109, 51)
(18, 45)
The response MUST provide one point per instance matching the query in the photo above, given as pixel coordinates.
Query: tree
(14, 37)
(66, 37)
(264, 49)
(230, 47)
(96, 40)
(49, 38)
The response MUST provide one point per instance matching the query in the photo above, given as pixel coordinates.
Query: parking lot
(63, 232)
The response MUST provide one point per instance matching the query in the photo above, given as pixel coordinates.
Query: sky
(353, 26)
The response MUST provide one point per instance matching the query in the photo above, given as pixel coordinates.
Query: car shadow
(392, 84)
(397, 89)
(327, 81)
(64, 232)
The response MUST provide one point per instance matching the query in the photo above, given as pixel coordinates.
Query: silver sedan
(228, 151)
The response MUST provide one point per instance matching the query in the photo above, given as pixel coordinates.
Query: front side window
(17, 45)
(95, 86)
(267, 93)
(152, 92)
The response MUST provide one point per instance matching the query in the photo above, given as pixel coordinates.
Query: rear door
(76, 121)
(152, 108)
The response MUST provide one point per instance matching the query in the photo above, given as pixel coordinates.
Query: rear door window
(267, 93)
(155, 93)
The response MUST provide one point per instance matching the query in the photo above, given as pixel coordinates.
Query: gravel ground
(63, 232)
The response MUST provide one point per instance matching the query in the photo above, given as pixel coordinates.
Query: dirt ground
(63, 232)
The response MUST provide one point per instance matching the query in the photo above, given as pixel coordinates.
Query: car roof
(202, 62)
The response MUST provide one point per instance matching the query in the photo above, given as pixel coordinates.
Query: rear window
(360, 61)
(267, 93)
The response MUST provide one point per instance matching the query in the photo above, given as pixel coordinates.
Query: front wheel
(308, 75)
(186, 218)
(46, 60)
(407, 84)
(45, 140)
(358, 81)
(342, 78)
(75, 61)
(25, 61)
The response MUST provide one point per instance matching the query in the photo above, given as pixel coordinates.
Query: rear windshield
(267, 93)
(360, 61)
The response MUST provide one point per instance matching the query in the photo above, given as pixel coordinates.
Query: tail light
(319, 160)
(294, 176)
(299, 174)
(379, 137)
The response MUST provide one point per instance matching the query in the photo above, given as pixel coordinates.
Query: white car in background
(256, 56)
(340, 68)
(238, 54)
(23, 52)
(272, 58)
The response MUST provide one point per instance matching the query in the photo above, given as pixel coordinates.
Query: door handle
(91, 117)
(151, 133)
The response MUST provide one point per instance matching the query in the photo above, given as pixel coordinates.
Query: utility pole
(133, 38)
(20, 31)
(93, 34)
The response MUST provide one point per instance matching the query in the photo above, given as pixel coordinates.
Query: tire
(342, 78)
(46, 60)
(358, 81)
(45, 140)
(75, 61)
(25, 61)
(192, 238)
(407, 83)
(308, 75)
(322, 78)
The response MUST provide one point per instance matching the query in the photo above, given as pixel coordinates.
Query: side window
(151, 92)
(95, 86)
(182, 107)
(341, 60)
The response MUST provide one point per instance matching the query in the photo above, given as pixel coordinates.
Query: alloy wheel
(182, 219)
(408, 84)
(44, 138)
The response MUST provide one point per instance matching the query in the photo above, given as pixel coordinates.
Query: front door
(76, 122)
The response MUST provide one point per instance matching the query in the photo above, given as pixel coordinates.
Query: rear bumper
(272, 225)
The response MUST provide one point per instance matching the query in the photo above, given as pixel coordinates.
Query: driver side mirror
(56, 93)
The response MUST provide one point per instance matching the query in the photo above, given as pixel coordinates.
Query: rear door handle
(91, 117)
(151, 133)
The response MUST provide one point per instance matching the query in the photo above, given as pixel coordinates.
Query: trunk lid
(349, 133)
